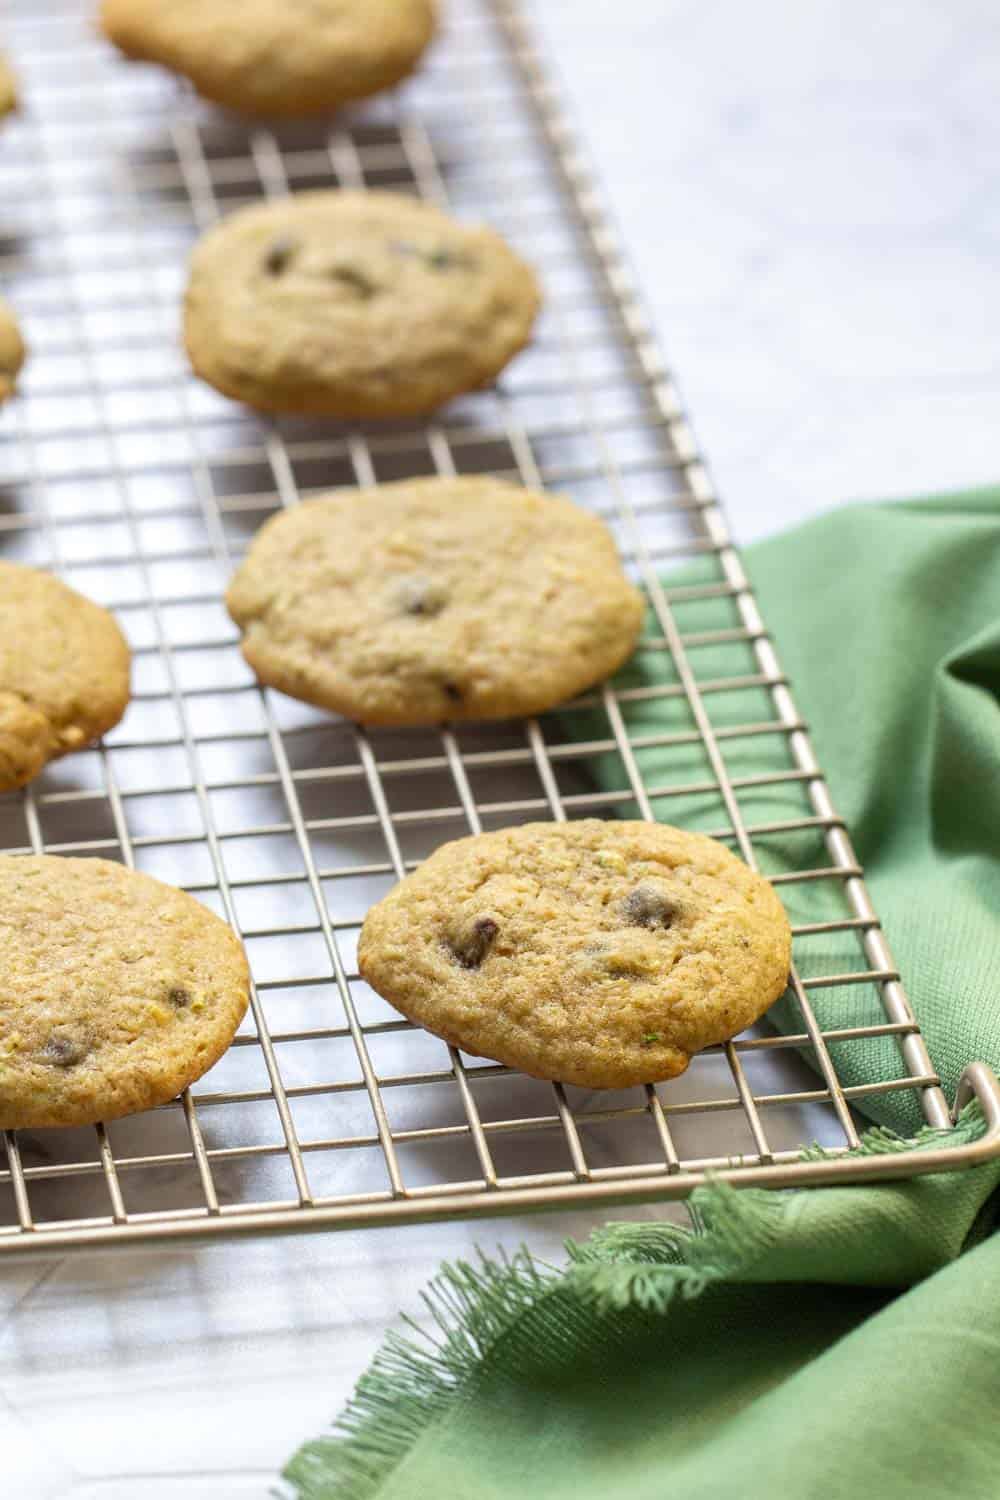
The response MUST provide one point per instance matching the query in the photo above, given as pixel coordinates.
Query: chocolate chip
(279, 253)
(450, 260)
(355, 279)
(648, 906)
(472, 947)
(438, 259)
(180, 999)
(452, 691)
(420, 596)
(64, 1050)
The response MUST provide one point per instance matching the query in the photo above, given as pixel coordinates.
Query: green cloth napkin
(771, 1348)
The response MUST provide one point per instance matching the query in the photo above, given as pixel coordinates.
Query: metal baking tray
(142, 488)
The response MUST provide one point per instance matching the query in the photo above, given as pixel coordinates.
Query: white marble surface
(809, 195)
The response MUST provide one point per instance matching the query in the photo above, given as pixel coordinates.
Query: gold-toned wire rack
(142, 488)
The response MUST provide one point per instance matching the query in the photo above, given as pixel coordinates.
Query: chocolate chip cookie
(8, 88)
(64, 672)
(116, 991)
(434, 599)
(276, 57)
(345, 304)
(600, 954)
(12, 350)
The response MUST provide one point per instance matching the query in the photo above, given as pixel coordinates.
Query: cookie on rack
(12, 351)
(116, 991)
(276, 57)
(64, 672)
(353, 304)
(434, 599)
(8, 88)
(602, 954)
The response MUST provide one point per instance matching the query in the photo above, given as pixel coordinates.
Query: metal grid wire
(142, 488)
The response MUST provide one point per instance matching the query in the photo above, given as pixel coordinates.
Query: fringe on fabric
(415, 1378)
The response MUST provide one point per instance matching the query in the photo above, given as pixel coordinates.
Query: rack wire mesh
(142, 488)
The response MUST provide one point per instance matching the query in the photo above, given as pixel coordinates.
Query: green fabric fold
(887, 621)
(748, 1352)
(773, 1348)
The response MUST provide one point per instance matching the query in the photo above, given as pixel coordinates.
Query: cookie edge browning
(663, 1063)
(313, 401)
(10, 91)
(347, 401)
(115, 23)
(116, 704)
(270, 672)
(139, 1102)
(9, 374)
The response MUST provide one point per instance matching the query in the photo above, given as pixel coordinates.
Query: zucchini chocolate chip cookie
(12, 351)
(600, 954)
(276, 57)
(433, 600)
(116, 991)
(64, 672)
(353, 304)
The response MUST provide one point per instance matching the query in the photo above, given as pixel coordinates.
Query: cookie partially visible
(8, 88)
(434, 599)
(116, 991)
(603, 954)
(276, 57)
(12, 351)
(353, 304)
(64, 672)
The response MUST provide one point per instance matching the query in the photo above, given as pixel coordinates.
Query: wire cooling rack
(142, 488)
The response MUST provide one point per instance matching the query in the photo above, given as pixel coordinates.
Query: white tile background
(809, 192)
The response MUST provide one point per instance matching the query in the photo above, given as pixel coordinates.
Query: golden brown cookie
(345, 304)
(116, 991)
(8, 88)
(276, 57)
(434, 599)
(12, 351)
(600, 954)
(64, 672)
